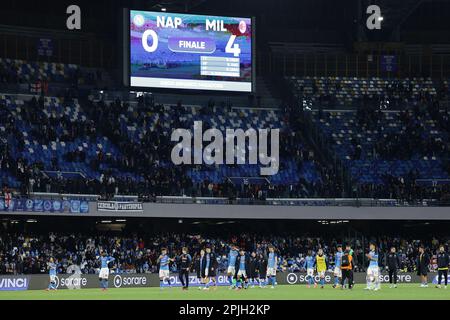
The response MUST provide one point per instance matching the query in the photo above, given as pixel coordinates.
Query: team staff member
(423, 260)
(393, 264)
(354, 258)
(347, 269)
(184, 261)
(443, 261)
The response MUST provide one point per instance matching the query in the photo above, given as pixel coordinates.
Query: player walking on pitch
(423, 260)
(104, 270)
(242, 264)
(310, 264)
(52, 273)
(272, 263)
(198, 266)
(262, 270)
(209, 272)
(231, 270)
(337, 267)
(321, 266)
(373, 271)
(253, 268)
(164, 273)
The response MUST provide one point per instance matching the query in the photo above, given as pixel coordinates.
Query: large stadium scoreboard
(185, 51)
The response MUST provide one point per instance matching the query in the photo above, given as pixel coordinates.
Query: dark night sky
(102, 16)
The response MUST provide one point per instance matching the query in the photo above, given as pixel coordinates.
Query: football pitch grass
(281, 292)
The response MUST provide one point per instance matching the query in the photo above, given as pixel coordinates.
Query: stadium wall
(292, 212)
(77, 281)
(221, 211)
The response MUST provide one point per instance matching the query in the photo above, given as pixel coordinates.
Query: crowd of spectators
(46, 77)
(149, 175)
(143, 166)
(411, 139)
(411, 142)
(405, 189)
(417, 107)
(27, 253)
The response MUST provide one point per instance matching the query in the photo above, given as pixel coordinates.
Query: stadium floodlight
(121, 220)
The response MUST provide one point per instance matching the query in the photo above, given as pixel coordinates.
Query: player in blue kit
(310, 262)
(337, 266)
(272, 263)
(231, 270)
(242, 268)
(104, 270)
(164, 273)
(52, 273)
(373, 271)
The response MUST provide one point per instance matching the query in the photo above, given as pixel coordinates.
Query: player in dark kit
(252, 268)
(198, 266)
(262, 270)
(184, 262)
(443, 261)
(393, 264)
(209, 268)
(423, 260)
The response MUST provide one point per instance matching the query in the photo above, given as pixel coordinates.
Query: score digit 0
(154, 36)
